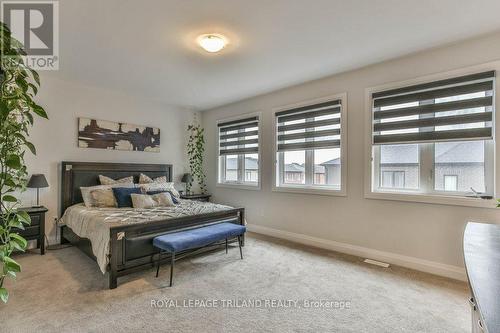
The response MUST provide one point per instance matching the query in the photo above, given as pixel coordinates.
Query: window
(451, 183)
(309, 147)
(435, 137)
(239, 151)
(393, 179)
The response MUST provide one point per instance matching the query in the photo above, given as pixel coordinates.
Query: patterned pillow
(149, 201)
(103, 198)
(87, 196)
(172, 197)
(160, 187)
(110, 181)
(143, 179)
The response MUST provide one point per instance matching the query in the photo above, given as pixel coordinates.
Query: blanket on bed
(94, 223)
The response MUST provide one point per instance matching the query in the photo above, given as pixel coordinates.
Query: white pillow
(87, 192)
(150, 201)
(144, 179)
(110, 181)
(160, 187)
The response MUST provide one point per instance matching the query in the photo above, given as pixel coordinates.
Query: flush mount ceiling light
(212, 42)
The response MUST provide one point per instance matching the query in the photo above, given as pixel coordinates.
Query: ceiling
(147, 47)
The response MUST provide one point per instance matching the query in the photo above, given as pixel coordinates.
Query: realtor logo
(36, 25)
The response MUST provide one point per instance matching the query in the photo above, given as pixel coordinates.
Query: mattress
(95, 223)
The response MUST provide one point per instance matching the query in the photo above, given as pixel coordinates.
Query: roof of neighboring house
(399, 154)
(446, 152)
(460, 152)
(250, 163)
(335, 161)
(295, 167)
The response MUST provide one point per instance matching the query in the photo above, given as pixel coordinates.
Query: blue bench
(196, 238)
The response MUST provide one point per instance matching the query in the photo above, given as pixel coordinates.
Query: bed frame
(131, 246)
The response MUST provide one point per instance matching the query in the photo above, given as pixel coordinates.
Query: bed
(120, 239)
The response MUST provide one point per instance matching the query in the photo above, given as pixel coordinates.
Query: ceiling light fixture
(212, 42)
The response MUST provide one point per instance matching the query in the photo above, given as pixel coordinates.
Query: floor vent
(376, 263)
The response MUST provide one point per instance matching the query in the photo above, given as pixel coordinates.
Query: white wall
(423, 236)
(56, 138)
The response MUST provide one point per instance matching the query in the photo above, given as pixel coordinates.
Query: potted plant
(196, 149)
(19, 85)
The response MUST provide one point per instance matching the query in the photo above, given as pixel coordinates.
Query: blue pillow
(174, 199)
(122, 195)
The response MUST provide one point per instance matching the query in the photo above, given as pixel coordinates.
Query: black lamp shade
(187, 178)
(37, 181)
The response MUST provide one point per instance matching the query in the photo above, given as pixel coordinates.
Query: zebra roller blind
(460, 108)
(239, 136)
(314, 126)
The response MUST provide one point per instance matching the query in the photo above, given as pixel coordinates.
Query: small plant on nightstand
(19, 85)
(195, 150)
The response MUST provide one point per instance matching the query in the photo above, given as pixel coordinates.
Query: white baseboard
(449, 271)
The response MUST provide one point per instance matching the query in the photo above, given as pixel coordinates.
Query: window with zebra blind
(239, 155)
(309, 141)
(438, 134)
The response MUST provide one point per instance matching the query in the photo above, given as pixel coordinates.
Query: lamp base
(36, 206)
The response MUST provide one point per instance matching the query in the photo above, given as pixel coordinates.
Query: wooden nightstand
(197, 197)
(36, 230)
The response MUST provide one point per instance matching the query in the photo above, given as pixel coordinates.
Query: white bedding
(94, 223)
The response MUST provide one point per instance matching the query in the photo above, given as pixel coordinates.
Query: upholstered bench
(196, 238)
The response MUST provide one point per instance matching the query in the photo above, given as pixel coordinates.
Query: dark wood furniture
(482, 263)
(198, 197)
(131, 246)
(36, 230)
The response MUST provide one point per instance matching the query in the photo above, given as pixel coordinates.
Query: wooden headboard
(80, 174)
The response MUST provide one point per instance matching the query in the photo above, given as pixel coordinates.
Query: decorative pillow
(103, 198)
(172, 197)
(143, 201)
(110, 181)
(87, 196)
(122, 195)
(143, 179)
(149, 201)
(164, 199)
(160, 187)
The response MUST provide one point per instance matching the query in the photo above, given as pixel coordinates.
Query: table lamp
(187, 178)
(37, 181)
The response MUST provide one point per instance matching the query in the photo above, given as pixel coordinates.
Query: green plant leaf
(12, 264)
(9, 198)
(16, 238)
(13, 161)
(4, 295)
(31, 147)
(40, 111)
(24, 217)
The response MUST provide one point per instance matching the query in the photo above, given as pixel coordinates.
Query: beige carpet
(64, 291)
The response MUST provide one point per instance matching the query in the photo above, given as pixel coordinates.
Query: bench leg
(172, 268)
(158, 265)
(239, 243)
(226, 245)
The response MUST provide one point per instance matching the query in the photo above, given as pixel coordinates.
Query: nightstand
(36, 230)
(197, 197)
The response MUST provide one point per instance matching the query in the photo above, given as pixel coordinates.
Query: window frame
(221, 160)
(429, 194)
(278, 165)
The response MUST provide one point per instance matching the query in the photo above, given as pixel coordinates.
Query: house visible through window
(435, 137)
(309, 146)
(239, 151)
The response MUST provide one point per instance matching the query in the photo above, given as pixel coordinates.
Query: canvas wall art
(93, 133)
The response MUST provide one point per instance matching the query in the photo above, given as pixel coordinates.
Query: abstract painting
(104, 134)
